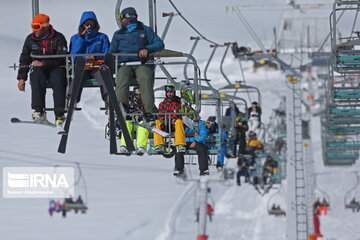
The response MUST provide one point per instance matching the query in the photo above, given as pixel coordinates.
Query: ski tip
(14, 120)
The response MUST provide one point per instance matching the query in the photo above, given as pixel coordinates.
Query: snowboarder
(89, 40)
(135, 37)
(171, 104)
(142, 134)
(44, 41)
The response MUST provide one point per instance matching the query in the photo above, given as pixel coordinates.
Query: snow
(137, 197)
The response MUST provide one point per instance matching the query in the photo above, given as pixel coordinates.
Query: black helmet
(252, 134)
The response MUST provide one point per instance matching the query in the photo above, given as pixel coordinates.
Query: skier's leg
(158, 139)
(58, 83)
(145, 78)
(129, 127)
(179, 161)
(142, 136)
(179, 133)
(201, 151)
(124, 76)
(38, 89)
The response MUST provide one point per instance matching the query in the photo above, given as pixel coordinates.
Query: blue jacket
(203, 133)
(133, 38)
(95, 42)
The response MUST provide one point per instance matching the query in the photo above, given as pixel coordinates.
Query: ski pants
(142, 134)
(242, 172)
(242, 144)
(221, 155)
(202, 153)
(130, 75)
(179, 133)
(57, 79)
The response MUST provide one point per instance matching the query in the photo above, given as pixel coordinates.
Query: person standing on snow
(135, 37)
(89, 40)
(44, 41)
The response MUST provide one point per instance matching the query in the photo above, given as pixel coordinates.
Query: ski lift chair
(275, 208)
(354, 195)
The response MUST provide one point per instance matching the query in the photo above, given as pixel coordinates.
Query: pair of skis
(105, 78)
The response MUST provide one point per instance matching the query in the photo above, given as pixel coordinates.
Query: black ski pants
(202, 153)
(57, 79)
(242, 172)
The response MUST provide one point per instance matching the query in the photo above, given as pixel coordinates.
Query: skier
(89, 40)
(241, 129)
(214, 128)
(253, 143)
(270, 168)
(254, 113)
(142, 134)
(232, 110)
(44, 41)
(243, 170)
(199, 145)
(171, 104)
(135, 37)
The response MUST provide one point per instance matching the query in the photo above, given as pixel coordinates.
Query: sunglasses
(169, 88)
(122, 16)
(38, 26)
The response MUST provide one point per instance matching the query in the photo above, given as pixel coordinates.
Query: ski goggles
(38, 26)
(136, 91)
(169, 88)
(122, 16)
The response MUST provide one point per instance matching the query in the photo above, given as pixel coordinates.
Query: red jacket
(169, 106)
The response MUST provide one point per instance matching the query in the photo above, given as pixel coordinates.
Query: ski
(151, 128)
(106, 74)
(112, 130)
(188, 122)
(109, 61)
(44, 122)
(79, 74)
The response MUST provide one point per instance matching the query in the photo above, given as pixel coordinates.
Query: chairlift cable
(249, 28)
(243, 77)
(203, 37)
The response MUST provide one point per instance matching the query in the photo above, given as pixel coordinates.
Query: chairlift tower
(296, 213)
(309, 172)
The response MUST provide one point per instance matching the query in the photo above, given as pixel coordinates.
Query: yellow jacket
(254, 142)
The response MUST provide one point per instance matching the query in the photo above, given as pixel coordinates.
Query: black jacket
(257, 109)
(54, 43)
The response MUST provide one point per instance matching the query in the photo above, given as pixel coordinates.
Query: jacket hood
(88, 15)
